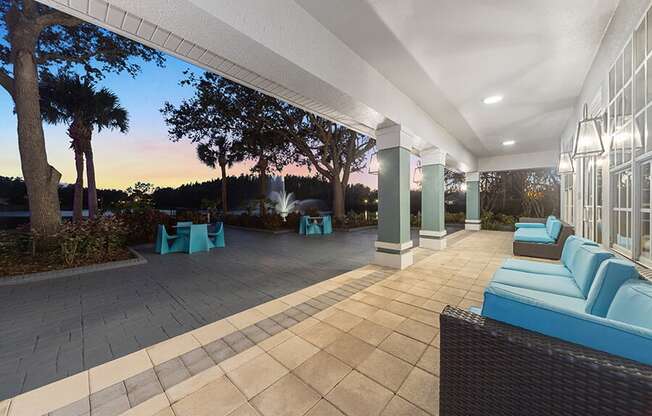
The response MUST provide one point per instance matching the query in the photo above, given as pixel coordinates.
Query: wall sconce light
(374, 165)
(588, 140)
(565, 163)
(417, 177)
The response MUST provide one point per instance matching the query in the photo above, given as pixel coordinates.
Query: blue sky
(143, 154)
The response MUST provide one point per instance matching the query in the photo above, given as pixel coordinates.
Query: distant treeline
(241, 189)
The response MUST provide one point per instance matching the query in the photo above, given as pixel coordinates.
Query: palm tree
(69, 99)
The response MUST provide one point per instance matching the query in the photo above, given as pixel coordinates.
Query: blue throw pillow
(554, 229)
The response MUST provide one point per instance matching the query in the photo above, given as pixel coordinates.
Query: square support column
(433, 227)
(394, 246)
(472, 222)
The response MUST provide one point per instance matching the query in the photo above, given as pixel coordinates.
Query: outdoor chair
(166, 243)
(198, 239)
(303, 225)
(573, 338)
(327, 225)
(217, 238)
(543, 241)
(313, 228)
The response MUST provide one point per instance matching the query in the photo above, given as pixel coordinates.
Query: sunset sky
(143, 154)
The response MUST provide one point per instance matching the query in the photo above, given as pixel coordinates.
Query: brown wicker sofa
(543, 251)
(489, 368)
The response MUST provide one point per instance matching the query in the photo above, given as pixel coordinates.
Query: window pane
(649, 32)
(645, 236)
(619, 73)
(645, 186)
(627, 63)
(639, 44)
(639, 91)
(639, 134)
(612, 84)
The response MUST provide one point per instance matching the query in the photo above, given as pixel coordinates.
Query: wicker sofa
(573, 338)
(533, 247)
(489, 368)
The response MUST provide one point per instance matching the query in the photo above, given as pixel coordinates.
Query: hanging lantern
(374, 166)
(565, 163)
(588, 141)
(417, 177)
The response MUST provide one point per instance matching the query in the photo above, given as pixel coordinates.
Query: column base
(396, 256)
(432, 240)
(472, 225)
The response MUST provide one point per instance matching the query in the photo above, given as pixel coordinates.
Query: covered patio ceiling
(426, 65)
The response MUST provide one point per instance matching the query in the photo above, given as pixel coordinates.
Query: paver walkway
(362, 343)
(51, 330)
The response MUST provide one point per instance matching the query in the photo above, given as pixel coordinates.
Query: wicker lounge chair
(549, 249)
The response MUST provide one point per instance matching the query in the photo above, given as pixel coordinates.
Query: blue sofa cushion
(529, 225)
(533, 235)
(543, 282)
(512, 306)
(571, 245)
(554, 229)
(610, 277)
(585, 266)
(632, 304)
(537, 267)
(538, 297)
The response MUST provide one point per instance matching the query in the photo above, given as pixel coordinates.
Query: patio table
(195, 236)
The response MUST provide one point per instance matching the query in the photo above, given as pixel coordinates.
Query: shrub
(455, 217)
(142, 224)
(491, 221)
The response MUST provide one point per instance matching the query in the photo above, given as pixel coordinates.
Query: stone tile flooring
(54, 329)
(362, 343)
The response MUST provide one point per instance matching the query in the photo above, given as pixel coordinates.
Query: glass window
(639, 134)
(649, 32)
(627, 63)
(639, 91)
(646, 252)
(639, 44)
(619, 73)
(621, 213)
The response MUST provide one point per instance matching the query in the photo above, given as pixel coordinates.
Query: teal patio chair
(303, 224)
(198, 238)
(217, 238)
(166, 243)
(313, 228)
(327, 225)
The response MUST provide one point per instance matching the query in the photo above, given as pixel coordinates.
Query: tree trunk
(224, 199)
(338, 199)
(78, 199)
(262, 174)
(92, 187)
(41, 179)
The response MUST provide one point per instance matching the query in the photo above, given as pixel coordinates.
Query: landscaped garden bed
(73, 245)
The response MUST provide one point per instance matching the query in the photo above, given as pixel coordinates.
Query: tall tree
(69, 99)
(41, 40)
(334, 151)
(263, 137)
(208, 119)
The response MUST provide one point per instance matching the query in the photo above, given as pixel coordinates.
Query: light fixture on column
(565, 163)
(374, 166)
(588, 140)
(417, 177)
(463, 187)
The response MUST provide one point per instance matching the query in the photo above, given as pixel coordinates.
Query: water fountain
(285, 203)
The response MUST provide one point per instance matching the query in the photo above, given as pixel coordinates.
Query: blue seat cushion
(537, 297)
(530, 225)
(514, 307)
(585, 266)
(611, 275)
(558, 285)
(533, 235)
(632, 304)
(537, 267)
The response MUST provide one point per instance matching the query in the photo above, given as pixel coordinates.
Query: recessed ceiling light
(509, 143)
(493, 99)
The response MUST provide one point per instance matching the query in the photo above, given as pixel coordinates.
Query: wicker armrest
(532, 220)
(491, 368)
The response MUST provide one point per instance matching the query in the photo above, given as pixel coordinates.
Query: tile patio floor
(362, 343)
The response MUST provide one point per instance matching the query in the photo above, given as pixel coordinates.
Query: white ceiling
(447, 55)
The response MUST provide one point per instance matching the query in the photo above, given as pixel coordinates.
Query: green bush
(142, 224)
(491, 221)
(455, 217)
